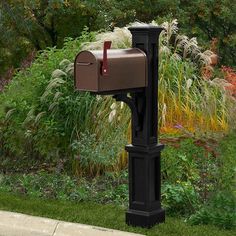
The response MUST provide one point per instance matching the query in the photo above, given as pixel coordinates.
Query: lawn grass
(108, 216)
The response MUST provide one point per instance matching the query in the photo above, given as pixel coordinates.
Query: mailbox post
(131, 75)
(144, 152)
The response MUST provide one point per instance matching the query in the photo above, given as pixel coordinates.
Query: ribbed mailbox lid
(127, 69)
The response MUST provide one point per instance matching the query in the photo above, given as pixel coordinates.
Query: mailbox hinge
(136, 117)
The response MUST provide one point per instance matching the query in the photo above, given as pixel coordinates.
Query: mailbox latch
(107, 45)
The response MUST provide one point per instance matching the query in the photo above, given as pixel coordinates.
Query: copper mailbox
(110, 70)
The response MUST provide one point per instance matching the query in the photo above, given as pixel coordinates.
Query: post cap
(146, 27)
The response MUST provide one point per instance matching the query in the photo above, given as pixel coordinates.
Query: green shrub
(219, 211)
(180, 198)
(22, 108)
(181, 163)
(93, 156)
(199, 179)
(227, 163)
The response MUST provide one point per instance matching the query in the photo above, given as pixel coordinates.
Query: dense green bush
(199, 180)
(44, 118)
(180, 198)
(220, 211)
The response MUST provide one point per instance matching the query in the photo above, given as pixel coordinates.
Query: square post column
(144, 152)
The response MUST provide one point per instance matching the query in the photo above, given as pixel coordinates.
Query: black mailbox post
(144, 152)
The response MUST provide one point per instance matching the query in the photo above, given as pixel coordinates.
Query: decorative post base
(145, 219)
(144, 186)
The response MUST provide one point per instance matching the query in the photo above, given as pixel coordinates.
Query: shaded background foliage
(26, 25)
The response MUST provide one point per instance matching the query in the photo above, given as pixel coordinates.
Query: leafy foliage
(220, 211)
(38, 24)
(180, 198)
(29, 25)
(199, 179)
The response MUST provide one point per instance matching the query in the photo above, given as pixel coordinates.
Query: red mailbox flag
(107, 45)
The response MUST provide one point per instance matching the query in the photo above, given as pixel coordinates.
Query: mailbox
(110, 70)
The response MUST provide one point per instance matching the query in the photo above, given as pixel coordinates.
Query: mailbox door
(86, 72)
